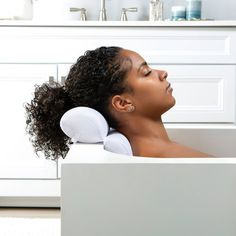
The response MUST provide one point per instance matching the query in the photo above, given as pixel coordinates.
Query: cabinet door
(204, 93)
(18, 159)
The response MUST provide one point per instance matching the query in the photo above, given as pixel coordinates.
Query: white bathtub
(219, 141)
(106, 194)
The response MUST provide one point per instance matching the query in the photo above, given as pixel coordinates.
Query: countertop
(32, 23)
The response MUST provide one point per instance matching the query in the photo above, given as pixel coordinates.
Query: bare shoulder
(148, 148)
(174, 149)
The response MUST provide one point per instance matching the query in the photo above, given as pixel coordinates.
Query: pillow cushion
(117, 143)
(86, 125)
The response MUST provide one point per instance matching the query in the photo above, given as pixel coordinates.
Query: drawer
(204, 93)
(164, 45)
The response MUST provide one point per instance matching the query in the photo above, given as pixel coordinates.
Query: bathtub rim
(94, 153)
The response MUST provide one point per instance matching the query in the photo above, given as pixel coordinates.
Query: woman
(123, 88)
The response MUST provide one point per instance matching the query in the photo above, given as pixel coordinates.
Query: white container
(16, 9)
(47, 10)
(178, 13)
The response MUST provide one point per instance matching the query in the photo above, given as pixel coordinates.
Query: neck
(143, 128)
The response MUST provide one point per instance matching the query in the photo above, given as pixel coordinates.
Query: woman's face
(151, 92)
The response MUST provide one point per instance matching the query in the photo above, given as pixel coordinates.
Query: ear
(121, 103)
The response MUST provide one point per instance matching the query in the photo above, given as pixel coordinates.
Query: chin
(173, 102)
(170, 105)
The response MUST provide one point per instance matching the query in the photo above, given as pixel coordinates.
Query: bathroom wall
(211, 9)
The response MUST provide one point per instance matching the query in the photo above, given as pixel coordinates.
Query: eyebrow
(144, 63)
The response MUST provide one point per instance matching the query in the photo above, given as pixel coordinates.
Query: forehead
(135, 58)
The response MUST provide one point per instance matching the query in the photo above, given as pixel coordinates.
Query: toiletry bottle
(156, 10)
(193, 10)
(152, 10)
(178, 13)
(159, 10)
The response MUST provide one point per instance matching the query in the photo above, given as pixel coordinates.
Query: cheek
(155, 99)
(147, 99)
(151, 93)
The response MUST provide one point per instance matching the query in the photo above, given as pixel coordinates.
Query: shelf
(32, 23)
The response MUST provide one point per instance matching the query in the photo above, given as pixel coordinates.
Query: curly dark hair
(92, 80)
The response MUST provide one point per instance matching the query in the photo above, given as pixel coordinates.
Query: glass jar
(193, 10)
(178, 13)
(156, 10)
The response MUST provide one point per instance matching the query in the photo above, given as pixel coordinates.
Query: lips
(168, 86)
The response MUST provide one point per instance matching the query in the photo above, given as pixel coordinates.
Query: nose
(162, 75)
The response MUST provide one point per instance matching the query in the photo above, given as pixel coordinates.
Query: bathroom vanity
(200, 58)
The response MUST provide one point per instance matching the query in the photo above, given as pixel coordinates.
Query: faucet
(124, 10)
(83, 12)
(102, 13)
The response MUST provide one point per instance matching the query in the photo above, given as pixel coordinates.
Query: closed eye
(148, 73)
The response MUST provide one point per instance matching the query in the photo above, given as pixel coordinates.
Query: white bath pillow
(117, 143)
(85, 125)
